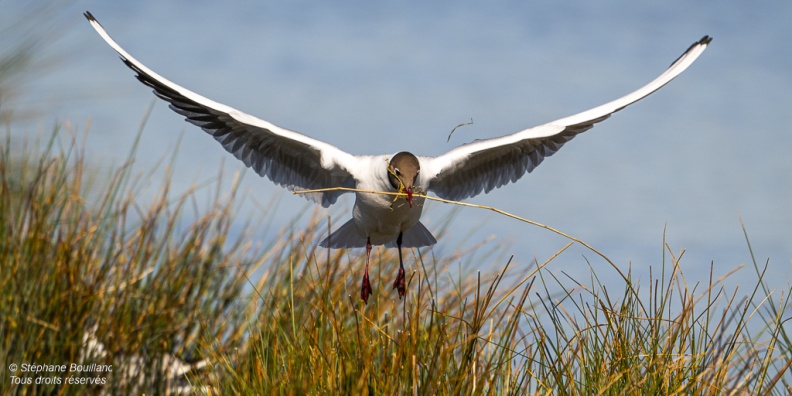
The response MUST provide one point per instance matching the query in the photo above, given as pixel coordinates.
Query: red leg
(400, 279)
(365, 287)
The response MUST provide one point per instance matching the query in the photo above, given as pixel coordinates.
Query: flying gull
(298, 162)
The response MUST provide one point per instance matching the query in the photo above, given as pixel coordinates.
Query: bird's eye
(396, 170)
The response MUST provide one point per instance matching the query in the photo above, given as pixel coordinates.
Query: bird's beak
(409, 191)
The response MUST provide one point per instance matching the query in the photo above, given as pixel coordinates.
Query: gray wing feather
(484, 165)
(288, 158)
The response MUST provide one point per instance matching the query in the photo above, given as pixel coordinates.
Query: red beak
(409, 196)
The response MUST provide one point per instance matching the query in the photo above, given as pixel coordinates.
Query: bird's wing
(484, 165)
(288, 158)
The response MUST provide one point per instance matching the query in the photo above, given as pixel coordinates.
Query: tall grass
(169, 294)
(108, 269)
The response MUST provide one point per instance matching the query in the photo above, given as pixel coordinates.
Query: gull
(298, 162)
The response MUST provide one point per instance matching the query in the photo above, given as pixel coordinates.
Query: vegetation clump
(174, 298)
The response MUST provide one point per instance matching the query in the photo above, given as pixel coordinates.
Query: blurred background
(691, 160)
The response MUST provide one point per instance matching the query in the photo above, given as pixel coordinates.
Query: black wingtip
(703, 41)
(89, 16)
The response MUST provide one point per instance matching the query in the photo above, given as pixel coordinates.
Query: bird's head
(403, 172)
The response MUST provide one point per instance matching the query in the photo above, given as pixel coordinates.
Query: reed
(177, 300)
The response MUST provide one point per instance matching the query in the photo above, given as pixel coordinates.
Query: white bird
(298, 162)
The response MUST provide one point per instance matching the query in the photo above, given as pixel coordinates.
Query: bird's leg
(365, 287)
(400, 280)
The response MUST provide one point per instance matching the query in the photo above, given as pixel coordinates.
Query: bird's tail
(348, 236)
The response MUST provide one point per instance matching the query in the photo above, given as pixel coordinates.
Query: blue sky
(369, 78)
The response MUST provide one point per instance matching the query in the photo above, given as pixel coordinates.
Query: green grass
(166, 278)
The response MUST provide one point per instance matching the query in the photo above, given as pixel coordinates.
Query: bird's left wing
(484, 165)
(288, 158)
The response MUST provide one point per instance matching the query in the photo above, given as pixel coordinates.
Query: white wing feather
(288, 158)
(484, 165)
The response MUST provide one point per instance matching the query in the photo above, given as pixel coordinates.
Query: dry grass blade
(496, 210)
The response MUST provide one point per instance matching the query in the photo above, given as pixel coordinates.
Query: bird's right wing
(288, 158)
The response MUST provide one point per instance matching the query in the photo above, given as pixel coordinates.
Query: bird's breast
(382, 217)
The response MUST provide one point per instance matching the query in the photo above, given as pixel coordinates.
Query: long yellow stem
(496, 210)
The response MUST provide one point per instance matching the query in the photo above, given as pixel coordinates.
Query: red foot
(365, 288)
(398, 284)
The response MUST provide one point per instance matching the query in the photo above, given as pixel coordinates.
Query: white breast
(382, 217)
